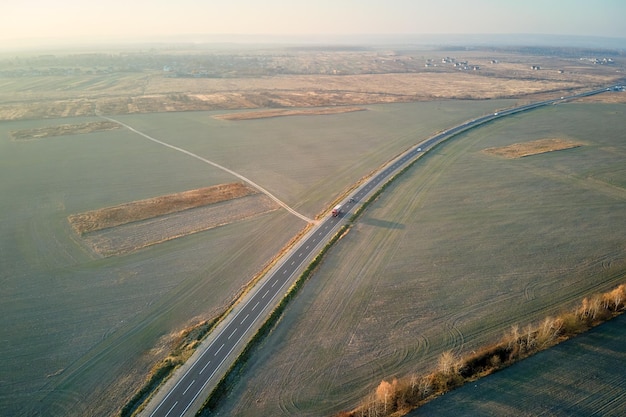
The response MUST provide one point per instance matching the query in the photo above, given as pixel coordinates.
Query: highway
(186, 391)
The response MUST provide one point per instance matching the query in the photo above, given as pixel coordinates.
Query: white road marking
(274, 283)
(265, 293)
(231, 335)
(204, 367)
(185, 391)
(218, 351)
(257, 303)
(168, 413)
(244, 319)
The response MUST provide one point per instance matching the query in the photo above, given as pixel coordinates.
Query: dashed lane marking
(218, 351)
(168, 413)
(187, 389)
(204, 367)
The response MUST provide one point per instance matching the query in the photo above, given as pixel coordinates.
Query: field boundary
(265, 114)
(138, 210)
(403, 395)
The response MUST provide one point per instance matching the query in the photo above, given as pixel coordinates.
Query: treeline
(399, 396)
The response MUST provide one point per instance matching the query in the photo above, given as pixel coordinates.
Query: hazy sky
(129, 19)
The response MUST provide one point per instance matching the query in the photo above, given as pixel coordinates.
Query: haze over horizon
(43, 22)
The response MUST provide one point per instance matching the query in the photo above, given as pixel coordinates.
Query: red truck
(336, 210)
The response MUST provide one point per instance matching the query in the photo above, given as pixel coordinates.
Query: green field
(79, 331)
(457, 250)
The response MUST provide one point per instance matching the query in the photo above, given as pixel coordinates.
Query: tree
(447, 364)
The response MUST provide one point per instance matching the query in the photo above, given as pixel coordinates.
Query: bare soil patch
(103, 218)
(133, 236)
(520, 150)
(63, 130)
(283, 112)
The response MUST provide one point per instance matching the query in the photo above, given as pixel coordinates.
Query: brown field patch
(283, 112)
(108, 217)
(520, 150)
(614, 97)
(63, 130)
(129, 237)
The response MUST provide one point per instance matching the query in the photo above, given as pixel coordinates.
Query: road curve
(185, 392)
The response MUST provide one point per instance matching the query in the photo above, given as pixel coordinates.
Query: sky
(82, 20)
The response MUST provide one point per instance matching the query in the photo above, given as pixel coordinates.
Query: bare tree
(594, 305)
(425, 387)
(513, 336)
(548, 330)
(618, 295)
(447, 363)
(413, 381)
(583, 311)
(530, 337)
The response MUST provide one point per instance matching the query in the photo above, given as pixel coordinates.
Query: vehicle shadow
(383, 223)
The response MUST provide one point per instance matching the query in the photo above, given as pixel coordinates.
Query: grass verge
(189, 341)
(236, 369)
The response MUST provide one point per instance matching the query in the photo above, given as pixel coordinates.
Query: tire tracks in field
(215, 164)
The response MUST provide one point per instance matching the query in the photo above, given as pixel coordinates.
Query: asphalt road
(188, 392)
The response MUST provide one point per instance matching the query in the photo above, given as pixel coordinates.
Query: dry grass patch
(520, 150)
(283, 112)
(103, 218)
(63, 130)
(133, 236)
(616, 97)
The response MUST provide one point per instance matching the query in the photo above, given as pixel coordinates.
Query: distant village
(242, 64)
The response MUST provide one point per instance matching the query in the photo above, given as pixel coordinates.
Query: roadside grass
(453, 254)
(184, 348)
(234, 373)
